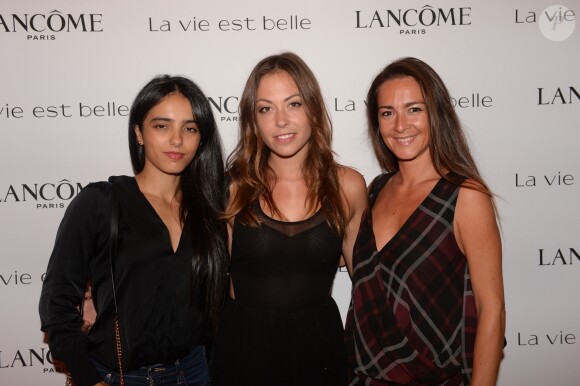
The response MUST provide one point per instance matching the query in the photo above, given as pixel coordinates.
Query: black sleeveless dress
(283, 328)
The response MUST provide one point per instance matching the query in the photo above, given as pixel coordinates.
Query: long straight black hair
(201, 186)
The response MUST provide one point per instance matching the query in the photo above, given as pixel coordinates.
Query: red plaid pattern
(412, 318)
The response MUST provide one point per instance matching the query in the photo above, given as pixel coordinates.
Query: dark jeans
(190, 370)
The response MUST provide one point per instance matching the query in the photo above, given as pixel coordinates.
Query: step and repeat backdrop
(70, 70)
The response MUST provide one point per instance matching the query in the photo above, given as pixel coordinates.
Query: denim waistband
(159, 370)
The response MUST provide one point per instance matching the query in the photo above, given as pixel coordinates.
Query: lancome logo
(46, 26)
(413, 21)
(558, 257)
(25, 358)
(46, 195)
(226, 106)
(30, 357)
(563, 95)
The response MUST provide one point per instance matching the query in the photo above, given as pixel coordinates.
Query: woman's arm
(478, 237)
(66, 279)
(355, 192)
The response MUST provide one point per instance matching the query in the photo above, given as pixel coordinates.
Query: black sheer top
(284, 264)
(160, 318)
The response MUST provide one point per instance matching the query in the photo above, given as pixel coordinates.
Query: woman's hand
(89, 312)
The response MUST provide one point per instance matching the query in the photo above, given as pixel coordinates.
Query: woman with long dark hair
(427, 302)
(292, 213)
(168, 268)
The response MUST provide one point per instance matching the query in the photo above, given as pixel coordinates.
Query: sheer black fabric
(283, 328)
(284, 264)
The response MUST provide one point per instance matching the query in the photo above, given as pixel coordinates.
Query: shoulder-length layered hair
(248, 166)
(448, 146)
(201, 187)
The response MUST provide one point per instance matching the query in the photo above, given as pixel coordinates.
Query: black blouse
(160, 311)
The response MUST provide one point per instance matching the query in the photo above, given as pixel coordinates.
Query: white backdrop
(69, 71)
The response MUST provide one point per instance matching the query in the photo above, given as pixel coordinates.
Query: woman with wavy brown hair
(292, 213)
(427, 301)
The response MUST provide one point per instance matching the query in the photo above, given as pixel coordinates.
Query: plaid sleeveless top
(412, 318)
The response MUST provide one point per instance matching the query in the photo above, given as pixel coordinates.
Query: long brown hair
(248, 164)
(447, 145)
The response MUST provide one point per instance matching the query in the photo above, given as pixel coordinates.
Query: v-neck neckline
(159, 220)
(405, 223)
